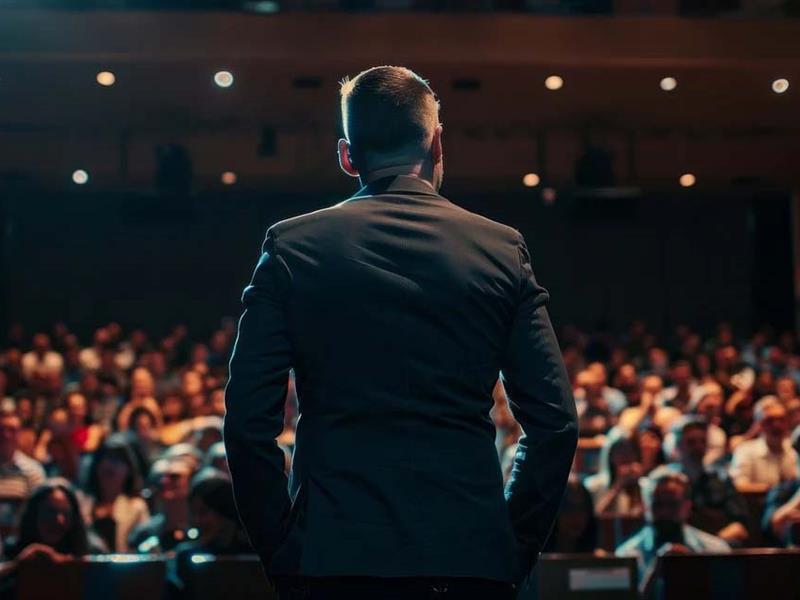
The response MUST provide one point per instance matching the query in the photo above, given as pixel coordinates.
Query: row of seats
(744, 574)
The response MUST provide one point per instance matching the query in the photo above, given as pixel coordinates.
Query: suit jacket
(396, 309)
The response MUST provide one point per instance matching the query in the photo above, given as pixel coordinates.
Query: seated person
(716, 505)
(169, 524)
(19, 474)
(213, 514)
(769, 459)
(51, 528)
(666, 494)
(115, 506)
(624, 458)
(781, 520)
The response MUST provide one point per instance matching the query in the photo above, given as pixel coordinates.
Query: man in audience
(666, 494)
(169, 524)
(769, 459)
(716, 505)
(19, 474)
(42, 367)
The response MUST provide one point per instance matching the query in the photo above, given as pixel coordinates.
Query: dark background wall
(87, 258)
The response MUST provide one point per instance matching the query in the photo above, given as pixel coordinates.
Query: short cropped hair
(387, 111)
(659, 476)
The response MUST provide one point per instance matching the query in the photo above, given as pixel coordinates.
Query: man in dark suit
(397, 310)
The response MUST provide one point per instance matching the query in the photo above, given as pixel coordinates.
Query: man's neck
(410, 170)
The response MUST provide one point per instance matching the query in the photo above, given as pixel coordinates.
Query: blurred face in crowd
(24, 409)
(668, 503)
(142, 385)
(138, 339)
(114, 331)
(199, 353)
(9, 429)
(219, 342)
(592, 385)
(775, 424)
(158, 364)
(702, 363)
(659, 361)
(626, 377)
(786, 389)
(175, 481)
(90, 384)
(172, 408)
(682, 374)
(710, 406)
(144, 426)
(101, 337)
(55, 518)
(112, 472)
(108, 360)
(13, 358)
(601, 375)
(76, 405)
(41, 343)
(625, 463)
(653, 385)
(694, 442)
(191, 383)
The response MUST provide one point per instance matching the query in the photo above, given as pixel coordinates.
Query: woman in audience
(115, 507)
(51, 529)
(615, 488)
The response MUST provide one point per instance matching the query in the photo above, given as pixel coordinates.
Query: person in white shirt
(769, 459)
(41, 365)
(19, 474)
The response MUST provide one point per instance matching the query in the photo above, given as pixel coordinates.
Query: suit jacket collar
(396, 184)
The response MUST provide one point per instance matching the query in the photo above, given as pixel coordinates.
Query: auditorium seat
(117, 576)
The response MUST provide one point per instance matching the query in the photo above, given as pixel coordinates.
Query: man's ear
(436, 145)
(345, 161)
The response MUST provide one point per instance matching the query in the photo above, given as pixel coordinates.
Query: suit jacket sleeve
(541, 399)
(254, 405)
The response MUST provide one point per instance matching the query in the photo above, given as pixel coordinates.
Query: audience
(133, 409)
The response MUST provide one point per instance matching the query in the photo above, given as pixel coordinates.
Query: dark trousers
(404, 588)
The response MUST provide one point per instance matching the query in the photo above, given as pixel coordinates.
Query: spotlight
(554, 82)
(229, 178)
(779, 86)
(80, 177)
(530, 180)
(223, 79)
(106, 78)
(687, 180)
(668, 84)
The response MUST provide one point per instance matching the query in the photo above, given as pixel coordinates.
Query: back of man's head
(389, 115)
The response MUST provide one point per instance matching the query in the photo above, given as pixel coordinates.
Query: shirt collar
(397, 184)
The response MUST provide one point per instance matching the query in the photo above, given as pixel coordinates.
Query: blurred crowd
(690, 442)
(115, 445)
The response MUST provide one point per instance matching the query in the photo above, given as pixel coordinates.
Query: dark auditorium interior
(648, 151)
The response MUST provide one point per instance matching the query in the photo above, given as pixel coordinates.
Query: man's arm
(541, 399)
(254, 405)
